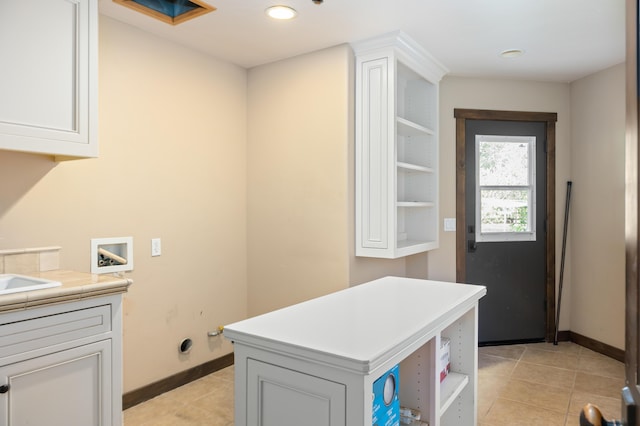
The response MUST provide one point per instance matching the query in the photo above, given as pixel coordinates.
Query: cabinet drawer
(28, 335)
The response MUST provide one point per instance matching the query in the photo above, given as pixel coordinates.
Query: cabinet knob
(4, 388)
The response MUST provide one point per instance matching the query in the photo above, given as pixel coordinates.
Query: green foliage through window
(505, 183)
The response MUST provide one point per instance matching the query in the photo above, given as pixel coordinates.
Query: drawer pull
(4, 388)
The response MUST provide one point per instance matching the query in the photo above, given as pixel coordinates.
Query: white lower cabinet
(316, 363)
(60, 365)
(64, 388)
(286, 396)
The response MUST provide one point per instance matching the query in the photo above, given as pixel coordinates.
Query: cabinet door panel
(286, 398)
(70, 388)
(48, 28)
(47, 81)
(374, 154)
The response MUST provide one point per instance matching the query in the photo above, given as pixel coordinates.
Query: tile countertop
(75, 286)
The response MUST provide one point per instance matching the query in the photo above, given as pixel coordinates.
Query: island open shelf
(315, 363)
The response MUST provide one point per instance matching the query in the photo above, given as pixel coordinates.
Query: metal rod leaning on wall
(564, 250)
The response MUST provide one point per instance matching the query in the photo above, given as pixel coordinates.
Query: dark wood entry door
(505, 227)
(487, 261)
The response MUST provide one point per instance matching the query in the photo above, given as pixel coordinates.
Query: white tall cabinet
(315, 363)
(396, 147)
(48, 77)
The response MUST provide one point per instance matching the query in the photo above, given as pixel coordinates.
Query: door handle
(471, 246)
(4, 388)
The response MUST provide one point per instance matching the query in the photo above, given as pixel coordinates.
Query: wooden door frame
(550, 119)
(630, 394)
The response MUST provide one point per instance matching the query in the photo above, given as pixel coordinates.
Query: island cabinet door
(278, 396)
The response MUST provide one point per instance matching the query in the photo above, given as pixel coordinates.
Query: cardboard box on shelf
(445, 357)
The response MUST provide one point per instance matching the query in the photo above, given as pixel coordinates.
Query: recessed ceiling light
(281, 12)
(512, 53)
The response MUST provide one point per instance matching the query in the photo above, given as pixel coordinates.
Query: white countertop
(358, 326)
(75, 286)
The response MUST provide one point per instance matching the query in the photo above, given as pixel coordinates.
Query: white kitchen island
(315, 363)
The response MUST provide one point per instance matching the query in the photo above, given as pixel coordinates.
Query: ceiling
(563, 40)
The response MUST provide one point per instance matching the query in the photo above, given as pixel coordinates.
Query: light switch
(156, 247)
(450, 224)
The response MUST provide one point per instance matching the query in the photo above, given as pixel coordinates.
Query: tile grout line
(508, 378)
(573, 385)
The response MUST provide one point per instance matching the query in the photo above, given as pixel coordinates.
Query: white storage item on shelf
(409, 416)
(445, 358)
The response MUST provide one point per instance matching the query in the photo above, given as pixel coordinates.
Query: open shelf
(409, 247)
(414, 167)
(450, 388)
(416, 97)
(416, 423)
(409, 128)
(452, 401)
(415, 204)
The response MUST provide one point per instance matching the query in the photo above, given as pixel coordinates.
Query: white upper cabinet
(396, 147)
(48, 78)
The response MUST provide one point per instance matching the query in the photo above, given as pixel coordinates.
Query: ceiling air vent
(170, 11)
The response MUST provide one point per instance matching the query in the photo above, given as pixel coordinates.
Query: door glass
(505, 188)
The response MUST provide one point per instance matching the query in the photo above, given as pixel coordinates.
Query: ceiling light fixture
(512, 53)
(281, 12)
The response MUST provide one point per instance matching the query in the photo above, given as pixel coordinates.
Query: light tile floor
(529, 385)
(543, 384)
(204, 402)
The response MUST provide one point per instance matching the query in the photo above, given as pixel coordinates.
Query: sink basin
(13, 283)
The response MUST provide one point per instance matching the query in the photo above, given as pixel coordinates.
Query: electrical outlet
(156, 247)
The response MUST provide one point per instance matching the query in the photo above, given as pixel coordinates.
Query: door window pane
(505, 188)
(504, 163)
(504, 210)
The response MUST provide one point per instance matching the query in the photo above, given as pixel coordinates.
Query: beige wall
(300, 170)
(172, 165)
(248, 179)
(597, 206)
(464, 92)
